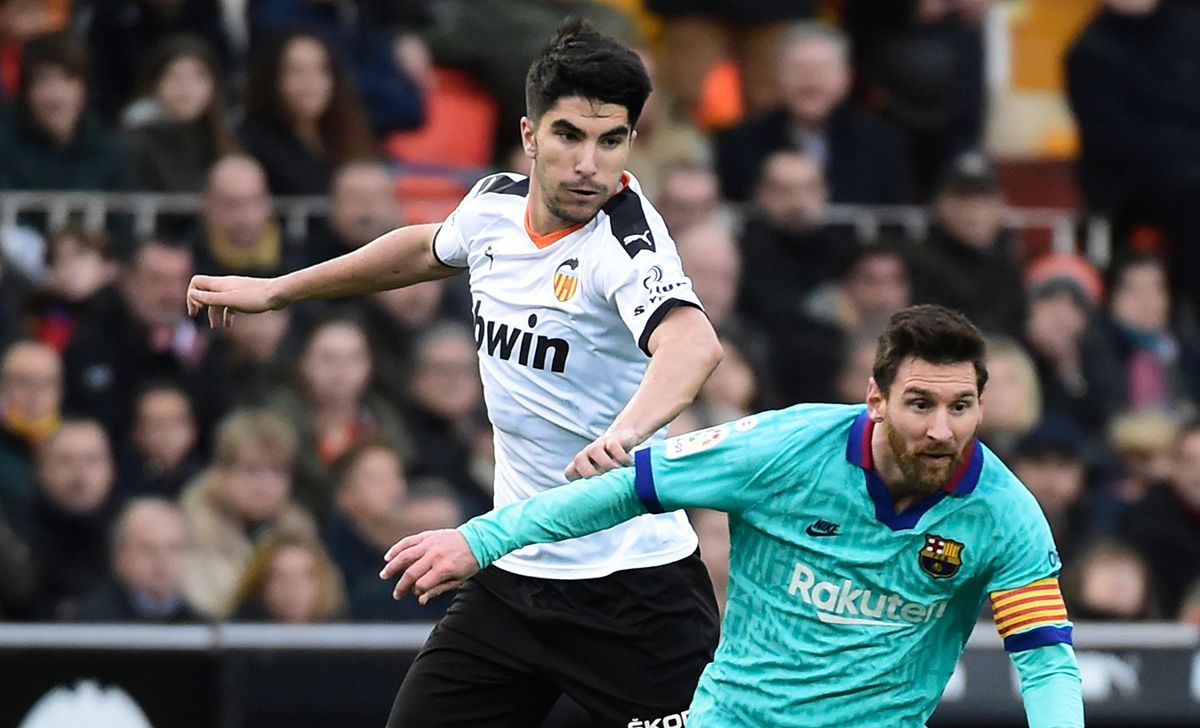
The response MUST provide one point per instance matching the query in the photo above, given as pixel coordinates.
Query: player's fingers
(439, 590)
(584, 465)
(227, 317)
(214, 315)
(617, 452)
(402, 561)
(403, 544)
(600, 459)
(410, 577)
(571, 473)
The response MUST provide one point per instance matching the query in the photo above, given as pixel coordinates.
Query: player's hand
(433, 562)
(225, 295)
(608, 452)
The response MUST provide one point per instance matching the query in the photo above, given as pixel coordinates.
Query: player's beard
(556, 195)
(922, 476)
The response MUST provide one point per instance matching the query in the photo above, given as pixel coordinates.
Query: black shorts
(626, 647)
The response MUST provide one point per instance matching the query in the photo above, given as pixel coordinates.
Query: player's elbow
(709, 351)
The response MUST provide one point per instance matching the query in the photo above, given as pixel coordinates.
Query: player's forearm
(568, 511)
(684, 356)
(399, 258)
(1050, 686)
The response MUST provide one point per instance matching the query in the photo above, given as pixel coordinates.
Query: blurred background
(191, 521)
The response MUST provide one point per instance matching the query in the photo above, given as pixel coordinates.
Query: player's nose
(938, 429)
(585, 164)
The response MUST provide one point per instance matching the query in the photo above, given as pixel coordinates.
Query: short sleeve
(1027, 605)
(729, 467)
(641, 274)
(451, 242)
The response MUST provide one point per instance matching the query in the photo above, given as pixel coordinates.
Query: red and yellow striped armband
(1031, 616)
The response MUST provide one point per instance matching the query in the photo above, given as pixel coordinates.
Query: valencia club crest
(566, 279)
(940, 557)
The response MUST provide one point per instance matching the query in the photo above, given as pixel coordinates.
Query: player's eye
(919, 404)
(962, 406)
(610, 142)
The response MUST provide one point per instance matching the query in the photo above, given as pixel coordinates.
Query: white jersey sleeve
(451, 242)
(643, 277)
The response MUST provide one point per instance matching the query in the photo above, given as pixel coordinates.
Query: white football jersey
(562, 323)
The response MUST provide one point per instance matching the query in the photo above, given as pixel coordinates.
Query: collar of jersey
(544, 241)
(858, 452)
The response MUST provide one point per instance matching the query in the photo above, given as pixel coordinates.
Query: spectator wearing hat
(969, 260)
(1053, 464)
(1077, 367)
(1165, 526)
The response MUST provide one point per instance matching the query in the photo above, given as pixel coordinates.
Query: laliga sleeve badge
(940, 557)
(693, 442)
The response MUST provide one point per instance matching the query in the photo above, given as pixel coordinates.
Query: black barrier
(256, 676)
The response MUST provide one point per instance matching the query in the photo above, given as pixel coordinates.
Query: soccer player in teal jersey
(864, 542)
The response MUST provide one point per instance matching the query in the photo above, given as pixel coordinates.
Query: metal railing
(93, 208)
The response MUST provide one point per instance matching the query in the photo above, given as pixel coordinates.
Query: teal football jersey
(840, 611)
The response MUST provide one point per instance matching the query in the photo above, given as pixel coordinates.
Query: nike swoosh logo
(811, 532)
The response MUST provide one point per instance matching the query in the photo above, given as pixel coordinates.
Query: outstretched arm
(1050, 686)
(399, 258)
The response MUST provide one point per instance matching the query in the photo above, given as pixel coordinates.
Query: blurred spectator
(239, 236)
(1162, 369)
(787, 246)
(1135, 92)
(289, 579)
(1012, 400)
(21, 20)
(445, 398)
(333, 408)
(390, 85)
(712, 260)
(362, 206)
(969, 261)
(160, 458)
(137, 332)
(79, 266)
(808, 354)
(126, 32)
(1165, 526)
(369, 494)
(1142, 443)
(688, 194)
(149, 553)
(30, 399)
(1050, 462)
(1109, 581)
(71, 515)
(394, 320)
(497, 40)
(857, 369)
(731, 391)
(49, 142)
(712, 528)
(1190, 612)
(1076, 364)
(863, 157)
(920, 65)
(372, 513)
(16, 572)
(179, 129)
(303, 115)
(699, 35)
(247, 360)
(243, 496)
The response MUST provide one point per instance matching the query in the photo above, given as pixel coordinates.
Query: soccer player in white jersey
(590, 341)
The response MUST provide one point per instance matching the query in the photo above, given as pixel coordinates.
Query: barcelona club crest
(940, 557)
(566, 280)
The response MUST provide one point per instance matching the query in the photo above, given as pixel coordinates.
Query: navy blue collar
(858, 452)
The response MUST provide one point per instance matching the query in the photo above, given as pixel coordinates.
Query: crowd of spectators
(152, 469)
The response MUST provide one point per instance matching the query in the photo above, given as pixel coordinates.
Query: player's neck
(537, 213)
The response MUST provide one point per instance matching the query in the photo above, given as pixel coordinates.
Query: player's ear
(632, 136)
(876, 402)
(528, 137)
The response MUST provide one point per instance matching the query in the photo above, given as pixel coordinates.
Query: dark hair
(582, 61)
(1188, 429)
(883, 248)
(75, 230)
(1127, 262)
(343, 126)
(931, 333)
(193, 46)
(345, 462)
(59, 49)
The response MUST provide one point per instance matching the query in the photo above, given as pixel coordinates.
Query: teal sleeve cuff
(1050, 686)
(565, 512)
